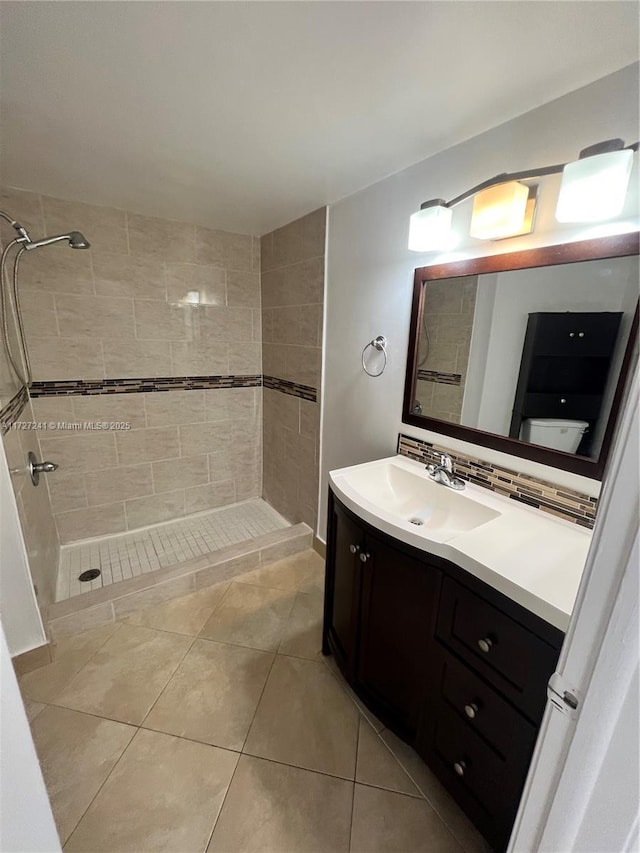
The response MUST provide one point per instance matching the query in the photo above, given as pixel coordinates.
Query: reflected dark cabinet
(453, 667)
(564, 368)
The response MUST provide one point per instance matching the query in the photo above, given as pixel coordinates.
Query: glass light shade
(499, 211)
(429, 228)
(594, 188)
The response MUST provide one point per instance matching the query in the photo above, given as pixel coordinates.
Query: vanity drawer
(482, 709)
(509, 655)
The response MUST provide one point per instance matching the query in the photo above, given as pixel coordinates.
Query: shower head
(76, 240)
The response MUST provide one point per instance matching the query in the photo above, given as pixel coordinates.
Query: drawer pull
(364, 557)
(460, 767)
(471, 710)
(563, 399)
(354, 548)
(485, 645)
(572, 334)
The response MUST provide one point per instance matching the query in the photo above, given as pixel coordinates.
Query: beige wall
(292, 308)
(120, 310)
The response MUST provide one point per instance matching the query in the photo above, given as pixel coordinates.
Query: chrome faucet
(444, 474)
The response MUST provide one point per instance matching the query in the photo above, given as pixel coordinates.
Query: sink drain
(89, 575)
(417, 521)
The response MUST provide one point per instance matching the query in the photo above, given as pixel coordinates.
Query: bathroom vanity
(446, 612)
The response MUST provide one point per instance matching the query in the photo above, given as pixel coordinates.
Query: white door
(582, 792)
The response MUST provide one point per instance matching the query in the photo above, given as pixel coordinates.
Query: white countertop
(531, 557)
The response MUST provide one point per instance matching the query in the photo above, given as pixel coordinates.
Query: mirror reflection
(534, 354)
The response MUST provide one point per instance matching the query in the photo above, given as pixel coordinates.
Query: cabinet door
(342, 591)
(399, 597)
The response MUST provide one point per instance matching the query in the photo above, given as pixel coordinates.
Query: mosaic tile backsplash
(556, 500)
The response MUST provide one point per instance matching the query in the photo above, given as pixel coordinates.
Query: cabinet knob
(460, 767)
(563, 399)
(581, 334)
(364, 557)
(572, 334)
(471, 710)
(485, 645)
(354, 548)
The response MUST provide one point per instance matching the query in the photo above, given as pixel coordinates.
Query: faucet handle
(446, 462)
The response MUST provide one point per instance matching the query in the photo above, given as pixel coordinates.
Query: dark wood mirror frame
(618, 246)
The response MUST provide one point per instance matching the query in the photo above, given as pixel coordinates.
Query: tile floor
(213, 723)
(130, 554)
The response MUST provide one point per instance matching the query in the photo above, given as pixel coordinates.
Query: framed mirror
(527, 352)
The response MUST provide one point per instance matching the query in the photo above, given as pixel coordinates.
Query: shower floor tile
(129, 555)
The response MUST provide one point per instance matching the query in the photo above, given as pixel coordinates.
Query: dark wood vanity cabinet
(375, 603)
(455, 668)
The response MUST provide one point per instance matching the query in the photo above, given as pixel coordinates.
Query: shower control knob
(36, 468)
(354, 548)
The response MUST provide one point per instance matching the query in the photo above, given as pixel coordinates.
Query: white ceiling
(245, 115)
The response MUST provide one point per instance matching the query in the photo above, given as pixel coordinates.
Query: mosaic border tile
(150, 384)
(12, 411)
(556, 500)
(306, 392)
(86, 387)
(439, 377)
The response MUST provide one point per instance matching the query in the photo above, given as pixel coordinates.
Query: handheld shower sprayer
(75, 239)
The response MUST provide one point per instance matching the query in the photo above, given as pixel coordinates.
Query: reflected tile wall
(292, 282)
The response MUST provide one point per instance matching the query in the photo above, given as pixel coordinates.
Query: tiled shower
(176, 373)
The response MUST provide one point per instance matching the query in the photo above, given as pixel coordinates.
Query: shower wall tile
(147, 445)
(180, 473)
(107, 225)
(292, 286)
(57, 269)
(208, 281)
(127, 481)
(161, 238)
(154, 509)
(186, 451)
(56, 358)
(94, 521)
(125, 359)
(34, 509)
(152, 297)
(94, 316)
(202, 498)
(129, 276)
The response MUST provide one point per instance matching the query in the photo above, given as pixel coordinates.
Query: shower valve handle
(36, 468)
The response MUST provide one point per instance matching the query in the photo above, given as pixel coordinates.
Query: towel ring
(380, 344)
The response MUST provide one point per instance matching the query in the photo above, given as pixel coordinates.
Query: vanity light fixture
(593, 188)
(499, 211)
(430, 226)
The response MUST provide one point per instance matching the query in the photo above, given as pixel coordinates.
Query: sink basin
(409, 499)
